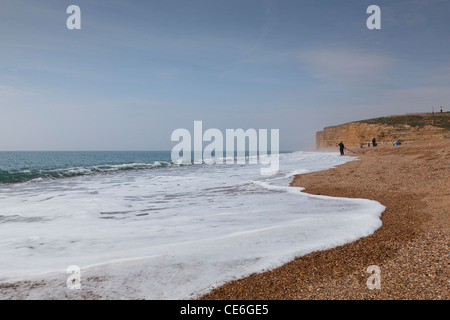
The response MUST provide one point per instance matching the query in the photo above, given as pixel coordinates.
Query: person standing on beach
(341, 148)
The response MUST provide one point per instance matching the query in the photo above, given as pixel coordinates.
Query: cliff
(387, 130)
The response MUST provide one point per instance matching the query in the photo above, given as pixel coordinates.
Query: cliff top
(437, 119)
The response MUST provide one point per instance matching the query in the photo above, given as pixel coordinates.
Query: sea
(135, 225)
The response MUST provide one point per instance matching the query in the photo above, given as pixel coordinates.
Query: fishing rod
(349, 150)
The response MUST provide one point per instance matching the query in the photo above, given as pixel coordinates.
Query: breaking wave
(24, 175)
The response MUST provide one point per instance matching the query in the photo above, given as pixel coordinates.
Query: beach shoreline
(410, 250)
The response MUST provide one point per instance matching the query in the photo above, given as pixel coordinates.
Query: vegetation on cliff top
(438, 119)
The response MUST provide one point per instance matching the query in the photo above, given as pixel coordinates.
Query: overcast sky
(138, 70)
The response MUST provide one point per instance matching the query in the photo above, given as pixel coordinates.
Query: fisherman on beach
(341, 148)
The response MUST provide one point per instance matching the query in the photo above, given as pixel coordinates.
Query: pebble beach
(410, 250)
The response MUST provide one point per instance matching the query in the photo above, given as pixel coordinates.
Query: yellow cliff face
(386, 130)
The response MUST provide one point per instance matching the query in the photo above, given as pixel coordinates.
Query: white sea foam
(170, 233)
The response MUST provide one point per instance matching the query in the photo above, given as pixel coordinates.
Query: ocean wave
(38, 175)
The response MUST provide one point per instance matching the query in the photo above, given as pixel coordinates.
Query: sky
(138, 70)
